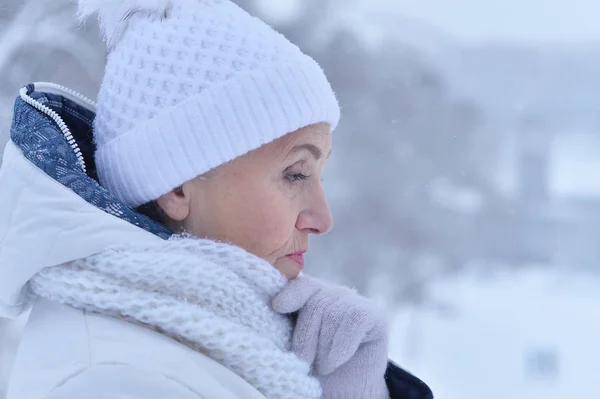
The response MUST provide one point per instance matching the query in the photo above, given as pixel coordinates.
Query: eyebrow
(313, 149)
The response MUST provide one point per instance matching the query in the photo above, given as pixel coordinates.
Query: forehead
(318, 135)
(277, 151)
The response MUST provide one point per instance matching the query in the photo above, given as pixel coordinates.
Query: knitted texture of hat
(192, 84)
(212, 297)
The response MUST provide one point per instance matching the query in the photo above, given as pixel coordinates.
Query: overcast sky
(543, 21)
(514, 20)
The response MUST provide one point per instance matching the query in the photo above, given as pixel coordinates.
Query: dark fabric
(403, 385)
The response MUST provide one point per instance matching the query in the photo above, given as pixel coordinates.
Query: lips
(298, 258)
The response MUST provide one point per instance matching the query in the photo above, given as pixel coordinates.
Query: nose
(316, 218)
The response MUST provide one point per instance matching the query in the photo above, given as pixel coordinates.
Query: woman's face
(267, 201)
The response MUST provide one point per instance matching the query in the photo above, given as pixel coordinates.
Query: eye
(296, 177)
(298, 172)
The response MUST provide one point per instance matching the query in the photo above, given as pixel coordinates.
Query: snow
(519, 335)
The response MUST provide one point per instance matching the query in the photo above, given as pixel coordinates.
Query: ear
(176, 203)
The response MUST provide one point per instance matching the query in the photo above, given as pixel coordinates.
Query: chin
(288, 268)
(292, 275)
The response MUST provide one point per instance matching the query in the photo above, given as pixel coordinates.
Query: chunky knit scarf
(213, 297)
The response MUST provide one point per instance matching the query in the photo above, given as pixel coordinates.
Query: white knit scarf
(213, 297)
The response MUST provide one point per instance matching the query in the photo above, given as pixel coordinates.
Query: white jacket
(66, 353)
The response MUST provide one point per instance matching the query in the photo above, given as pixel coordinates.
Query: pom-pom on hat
(190, 85)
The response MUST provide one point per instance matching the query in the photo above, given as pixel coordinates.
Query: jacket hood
(52, 208)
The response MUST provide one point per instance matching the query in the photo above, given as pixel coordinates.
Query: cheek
(269, 223)
(260, 221)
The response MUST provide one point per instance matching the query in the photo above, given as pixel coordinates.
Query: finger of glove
(295, 295)
(362, 375)
(352, 328)
(307, 332)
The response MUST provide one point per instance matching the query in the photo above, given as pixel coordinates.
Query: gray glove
(341, 334)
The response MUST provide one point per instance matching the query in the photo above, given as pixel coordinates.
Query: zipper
(72, 95)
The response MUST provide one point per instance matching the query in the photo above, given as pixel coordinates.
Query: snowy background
(464, 180)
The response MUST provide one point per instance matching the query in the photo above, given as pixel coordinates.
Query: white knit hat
(190, 85)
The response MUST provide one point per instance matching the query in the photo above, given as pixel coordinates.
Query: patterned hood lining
(43, 143)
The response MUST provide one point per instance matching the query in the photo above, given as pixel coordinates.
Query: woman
(215, 129)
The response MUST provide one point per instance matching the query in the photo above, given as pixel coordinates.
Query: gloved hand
(341, 334)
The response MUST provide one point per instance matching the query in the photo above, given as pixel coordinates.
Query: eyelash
(296, 177)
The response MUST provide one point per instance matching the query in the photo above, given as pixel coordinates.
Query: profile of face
(267, 201)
